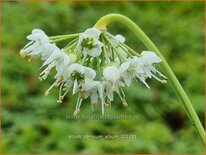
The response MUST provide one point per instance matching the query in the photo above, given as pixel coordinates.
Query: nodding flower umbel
(94, 64)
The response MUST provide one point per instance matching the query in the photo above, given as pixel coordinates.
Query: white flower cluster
(94, 64)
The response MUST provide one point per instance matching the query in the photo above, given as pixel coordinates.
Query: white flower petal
(75, 87)
(55, 55)
(34, 36)
(38, 35)
(90, 84)
(127, 79)
(37, 31)
(89, 73)
(120, 38)
(149, 57)
(93, 32)
(48, 50)
(89, 44)
(124, 66)
(111, 73)
(95, 52)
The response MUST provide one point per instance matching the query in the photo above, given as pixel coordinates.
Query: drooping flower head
(94, 64)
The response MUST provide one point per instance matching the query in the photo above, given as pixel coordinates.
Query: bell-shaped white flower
(80, 74)
(38, 40)
(89, 42)
(112, 76)
(145, 66)
(78, 63)
(149, 58)
(51, 62)
(93, 89)
(59, 60)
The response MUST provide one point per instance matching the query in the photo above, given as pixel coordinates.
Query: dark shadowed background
(33, 123)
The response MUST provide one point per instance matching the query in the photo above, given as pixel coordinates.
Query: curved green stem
(63, 37)
(105, 20)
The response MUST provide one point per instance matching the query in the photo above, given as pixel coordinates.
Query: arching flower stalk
(94, 64)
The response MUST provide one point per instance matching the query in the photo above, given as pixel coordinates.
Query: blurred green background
(33, 123)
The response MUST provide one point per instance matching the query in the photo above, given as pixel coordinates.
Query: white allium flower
(112, 76)
(38, 40)
(57, 59)
(89, 42)
(93, 89)
(81, 75)
(149, 57)
(90, 68)
(145, 66)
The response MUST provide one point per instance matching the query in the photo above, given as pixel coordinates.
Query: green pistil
(77, 74)
(88, 43)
